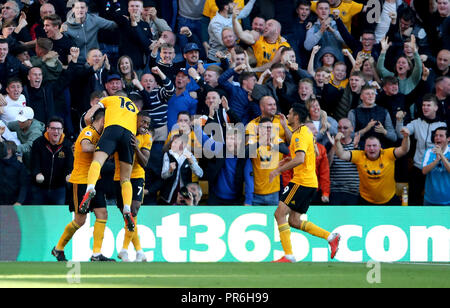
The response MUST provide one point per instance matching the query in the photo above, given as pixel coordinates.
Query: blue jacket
(246, 110)
(177, 103)
(225, 175)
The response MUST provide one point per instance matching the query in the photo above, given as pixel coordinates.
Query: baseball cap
(112, 77)
(25, 114)
(189, 47)
(183, 70)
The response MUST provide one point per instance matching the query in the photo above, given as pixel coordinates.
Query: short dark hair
(55, 119)
(303, 2)
(430, 98)
(277, 65)
(54, 19)
(144, 113)
(357, 73)
(11, 145)
(390, 80)
(408, 15)
(368, 31)
(183, 112)
(323, 1)
(239, 50)
(300, 110)
(222, 3)
(13, 80)
(97, 94)
(98, 114)
(264, 120)
(367, 87)
(245, 76)
(433, 133)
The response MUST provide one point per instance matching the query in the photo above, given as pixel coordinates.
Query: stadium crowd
(219, 79)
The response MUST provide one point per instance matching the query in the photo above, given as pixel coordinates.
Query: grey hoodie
(85, 35)
(421, 129)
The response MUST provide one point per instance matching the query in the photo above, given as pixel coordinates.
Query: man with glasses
(51, 163)
(376, 168)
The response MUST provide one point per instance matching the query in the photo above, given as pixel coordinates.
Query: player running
(297, 196)
(142, 144)
(83, 154)
(120, 126)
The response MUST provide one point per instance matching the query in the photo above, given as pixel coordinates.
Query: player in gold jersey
(142, 144)
(120, 125)
(83, 154)
(297, 196)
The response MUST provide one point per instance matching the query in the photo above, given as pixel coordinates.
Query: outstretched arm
(340, 152)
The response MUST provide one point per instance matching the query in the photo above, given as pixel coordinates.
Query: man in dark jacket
(225, 166)
(135, 34)
(13, 176)
(9, 65)
(51, 163)
(47, 98)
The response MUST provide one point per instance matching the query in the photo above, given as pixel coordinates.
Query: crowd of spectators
(219, 79)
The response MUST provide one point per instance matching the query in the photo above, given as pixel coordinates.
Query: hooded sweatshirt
(421, 128)
(84, 35)
(55, 162)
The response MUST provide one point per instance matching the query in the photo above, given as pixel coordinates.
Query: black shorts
(76, 193)
(117, 139)
(298, 197)
(138, 191)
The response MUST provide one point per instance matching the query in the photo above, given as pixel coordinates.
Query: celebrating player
(120, 126)
(142, 144)
(297, 196)
(83, 154)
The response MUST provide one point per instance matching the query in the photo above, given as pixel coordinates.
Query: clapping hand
(385, 44)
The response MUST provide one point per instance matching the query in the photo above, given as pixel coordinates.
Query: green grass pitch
(224, 275)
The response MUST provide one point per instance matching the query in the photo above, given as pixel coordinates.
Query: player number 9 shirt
(304, 174)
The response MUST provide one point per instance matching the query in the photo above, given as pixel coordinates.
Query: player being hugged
(142, 143)
(83, 154)
(120, 127)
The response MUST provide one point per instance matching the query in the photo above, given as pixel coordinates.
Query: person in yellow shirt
(346, 9)
(266, 46)
(376, 168)
(297, 196)
(142, 143)
(339, 78)
(83, 154)
(120, 125)
(269, 152)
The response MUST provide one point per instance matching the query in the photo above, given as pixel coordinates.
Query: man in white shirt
(15, 100)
